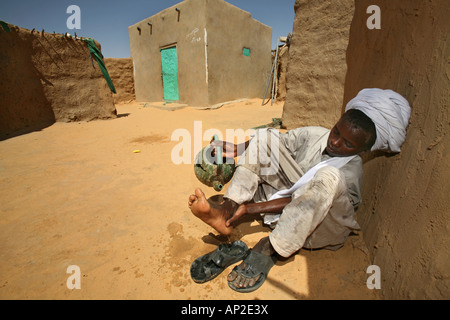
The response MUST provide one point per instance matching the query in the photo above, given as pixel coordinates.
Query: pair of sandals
(210, 265)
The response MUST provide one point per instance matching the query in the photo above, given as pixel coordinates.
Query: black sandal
(210, 265)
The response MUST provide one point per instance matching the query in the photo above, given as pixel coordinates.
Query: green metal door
(169, 73)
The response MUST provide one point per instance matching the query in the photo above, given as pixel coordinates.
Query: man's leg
(268, 157)
(309, 206)
(243, 186)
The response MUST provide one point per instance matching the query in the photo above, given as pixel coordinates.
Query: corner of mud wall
(283, 59)
(316, 67)
(121, 71)
(46, 78)
(405, 210)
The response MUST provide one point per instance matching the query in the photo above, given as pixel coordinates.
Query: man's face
(345, 140)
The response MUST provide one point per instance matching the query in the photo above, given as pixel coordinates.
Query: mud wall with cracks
(46, 78)
(316, 68)
(404, 214)
(121, 71)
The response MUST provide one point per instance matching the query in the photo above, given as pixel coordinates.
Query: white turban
(389, 111)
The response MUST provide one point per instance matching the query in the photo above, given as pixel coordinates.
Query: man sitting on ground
(306, 182)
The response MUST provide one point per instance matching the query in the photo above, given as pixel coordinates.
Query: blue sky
(107, 21)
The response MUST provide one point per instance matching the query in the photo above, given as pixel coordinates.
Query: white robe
(325, 224)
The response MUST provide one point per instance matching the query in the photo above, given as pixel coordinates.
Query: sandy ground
(77, 194)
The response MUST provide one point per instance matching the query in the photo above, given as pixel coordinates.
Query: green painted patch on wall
(246, 52)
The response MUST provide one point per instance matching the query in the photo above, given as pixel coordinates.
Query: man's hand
(241, 210)
(228, 148)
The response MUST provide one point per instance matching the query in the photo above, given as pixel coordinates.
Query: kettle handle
(219, 159)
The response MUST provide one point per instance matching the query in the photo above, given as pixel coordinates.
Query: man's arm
(272, 206)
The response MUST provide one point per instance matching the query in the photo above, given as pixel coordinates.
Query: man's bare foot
(213, 215)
